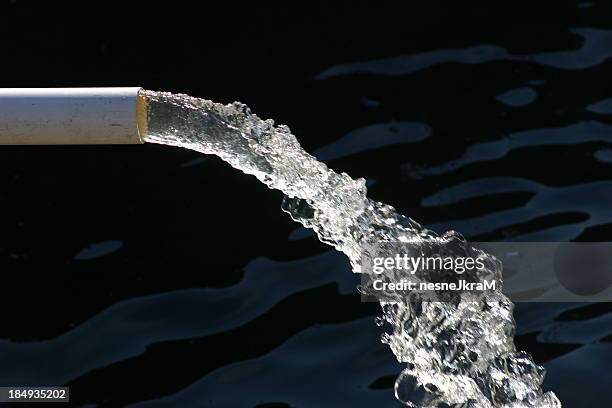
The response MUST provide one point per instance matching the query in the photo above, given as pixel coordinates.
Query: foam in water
(458, 353)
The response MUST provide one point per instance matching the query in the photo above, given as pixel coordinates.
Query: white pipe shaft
(70, 116)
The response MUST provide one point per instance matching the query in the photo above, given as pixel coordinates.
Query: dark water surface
(148, 276)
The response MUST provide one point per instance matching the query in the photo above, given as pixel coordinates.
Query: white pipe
(71, 116)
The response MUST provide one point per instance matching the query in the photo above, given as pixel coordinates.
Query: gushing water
(458, 353)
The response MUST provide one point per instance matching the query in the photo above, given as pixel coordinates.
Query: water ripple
(125, 329)
(596, 48)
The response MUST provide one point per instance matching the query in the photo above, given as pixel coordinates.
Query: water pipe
(50, 116)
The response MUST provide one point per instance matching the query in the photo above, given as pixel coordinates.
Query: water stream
(457, 353)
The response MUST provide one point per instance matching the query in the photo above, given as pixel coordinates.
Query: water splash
(458, 354)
